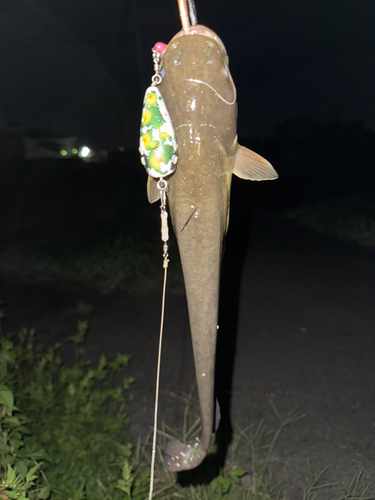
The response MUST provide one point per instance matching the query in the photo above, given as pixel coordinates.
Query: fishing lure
(157, 143)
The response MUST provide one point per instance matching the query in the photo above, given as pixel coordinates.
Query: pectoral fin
(251, 166)
(153, 193)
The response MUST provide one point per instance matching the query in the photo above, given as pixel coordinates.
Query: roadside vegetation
(93, 225)
(347, 218)
(63, 425)
(116, 255)
(63, 435)
(90, 225)
(127, 255)
(63, 428)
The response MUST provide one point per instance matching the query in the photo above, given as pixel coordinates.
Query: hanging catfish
(199, 93)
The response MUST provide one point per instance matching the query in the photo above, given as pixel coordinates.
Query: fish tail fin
(179, 456)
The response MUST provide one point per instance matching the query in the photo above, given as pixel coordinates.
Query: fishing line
(188, 14)
(162, 186)
(158, 147)
(192, 12)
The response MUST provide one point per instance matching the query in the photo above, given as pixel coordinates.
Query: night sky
(81, 67)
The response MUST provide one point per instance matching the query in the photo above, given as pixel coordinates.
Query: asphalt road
(297, 317)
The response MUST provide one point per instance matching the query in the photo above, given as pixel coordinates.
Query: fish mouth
(190, 26)
(199, 29)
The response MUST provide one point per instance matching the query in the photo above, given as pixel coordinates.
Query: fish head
(196, 71)
(200, 95)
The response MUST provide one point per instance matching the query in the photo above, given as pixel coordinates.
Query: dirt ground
(298, 316)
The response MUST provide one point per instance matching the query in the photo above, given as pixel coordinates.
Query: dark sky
(82, 66)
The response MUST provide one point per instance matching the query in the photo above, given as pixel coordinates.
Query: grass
(317, 484)
(63, 435)
(348, 218)
(63, 428)
(126, 253)
(82, 235)
(90, 225)
(257, 483)
(121, 254)
(232, 482)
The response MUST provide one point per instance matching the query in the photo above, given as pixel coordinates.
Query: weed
(119, 256)
(349, 218)
(62, 436)
(62, 428)
(317, 484)
(234, 482)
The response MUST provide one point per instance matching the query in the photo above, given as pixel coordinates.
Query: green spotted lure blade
(157, 143)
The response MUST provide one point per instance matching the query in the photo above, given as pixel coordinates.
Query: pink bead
(160, 47)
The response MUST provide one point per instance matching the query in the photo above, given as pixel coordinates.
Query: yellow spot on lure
(157, 143)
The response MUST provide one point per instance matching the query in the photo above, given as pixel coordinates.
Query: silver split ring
(162, 185)
(156, 79)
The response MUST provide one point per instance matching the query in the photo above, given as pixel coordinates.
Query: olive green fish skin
(198, 196)
(200, 96)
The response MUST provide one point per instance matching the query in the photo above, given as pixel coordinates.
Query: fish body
(200, 96)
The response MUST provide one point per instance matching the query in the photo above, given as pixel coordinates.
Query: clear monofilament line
(153, 455)
(162, 185)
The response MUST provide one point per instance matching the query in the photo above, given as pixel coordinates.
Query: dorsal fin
(251, 166)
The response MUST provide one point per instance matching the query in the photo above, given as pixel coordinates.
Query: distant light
(63, 152)
(74, 151)
(84, 152)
